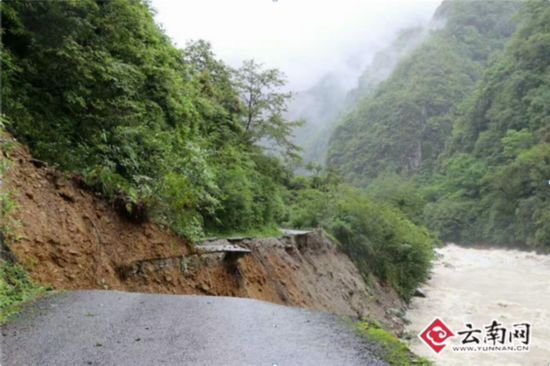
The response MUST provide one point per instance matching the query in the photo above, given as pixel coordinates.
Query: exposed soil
(71, 238)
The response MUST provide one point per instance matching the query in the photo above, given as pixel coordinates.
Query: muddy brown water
(478, 286)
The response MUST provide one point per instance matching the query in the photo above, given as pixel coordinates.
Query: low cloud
(304, 38)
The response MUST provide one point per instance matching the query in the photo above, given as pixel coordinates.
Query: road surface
(118, 328)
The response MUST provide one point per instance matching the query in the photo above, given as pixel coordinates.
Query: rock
(419, 293)
(395, 312)
(66, 195)
(38, 163)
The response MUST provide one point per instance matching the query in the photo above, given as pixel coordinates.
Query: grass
(7, 204)
(265, 232)
(16, 288)
(391, 349)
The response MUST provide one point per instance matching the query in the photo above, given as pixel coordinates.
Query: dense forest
(178, 137)
(492, 183)
(457, 136)
(402, 127)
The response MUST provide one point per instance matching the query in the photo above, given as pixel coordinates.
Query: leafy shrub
(15, 288)
(379, 238)
(399, 193)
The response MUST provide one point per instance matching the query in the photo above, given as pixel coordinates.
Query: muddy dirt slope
(70, 238)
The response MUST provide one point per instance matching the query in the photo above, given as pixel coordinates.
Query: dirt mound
(72, 239)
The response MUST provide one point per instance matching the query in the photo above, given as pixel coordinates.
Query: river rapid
(477, 286)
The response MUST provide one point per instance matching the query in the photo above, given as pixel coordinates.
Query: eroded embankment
(72, 239)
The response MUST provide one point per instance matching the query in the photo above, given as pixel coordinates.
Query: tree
(403, 124)
(97, 88)
(491, 182)
(264, 106)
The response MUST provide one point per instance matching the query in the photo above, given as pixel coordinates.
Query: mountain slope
(322, 105)
(492, 184)
(319, 107)
(68, 237)
(402, 127)
(96, 87)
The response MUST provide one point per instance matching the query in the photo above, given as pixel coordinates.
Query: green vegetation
(176, 136)
(403, 125)
(392, 350)
(15, 285)
(457, 137)
(379, 238)
(492, 183)
(98, 89)
(15, 289)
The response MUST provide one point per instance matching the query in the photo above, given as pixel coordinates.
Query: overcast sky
(304, 38)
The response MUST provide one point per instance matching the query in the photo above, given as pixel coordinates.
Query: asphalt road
(118, 328)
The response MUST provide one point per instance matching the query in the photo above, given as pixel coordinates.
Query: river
(477, 286)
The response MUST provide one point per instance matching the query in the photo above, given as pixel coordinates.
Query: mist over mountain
(323, 105)
(151, 145)
(456, 136)
(403, 125)
(319, 106)
(305, 39)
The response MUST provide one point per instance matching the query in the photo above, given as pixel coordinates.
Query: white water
(477, 286)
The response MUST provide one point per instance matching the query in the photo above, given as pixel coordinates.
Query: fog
(305, 38)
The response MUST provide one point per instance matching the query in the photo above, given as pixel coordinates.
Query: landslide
(70, 238)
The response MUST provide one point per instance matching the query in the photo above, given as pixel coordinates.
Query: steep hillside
(385, 61)
(70, 238)
(322, 105)
(492, 184)
(319, 107)
(402, 127)
(97, 88)
(457, 137)
(167, 136)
